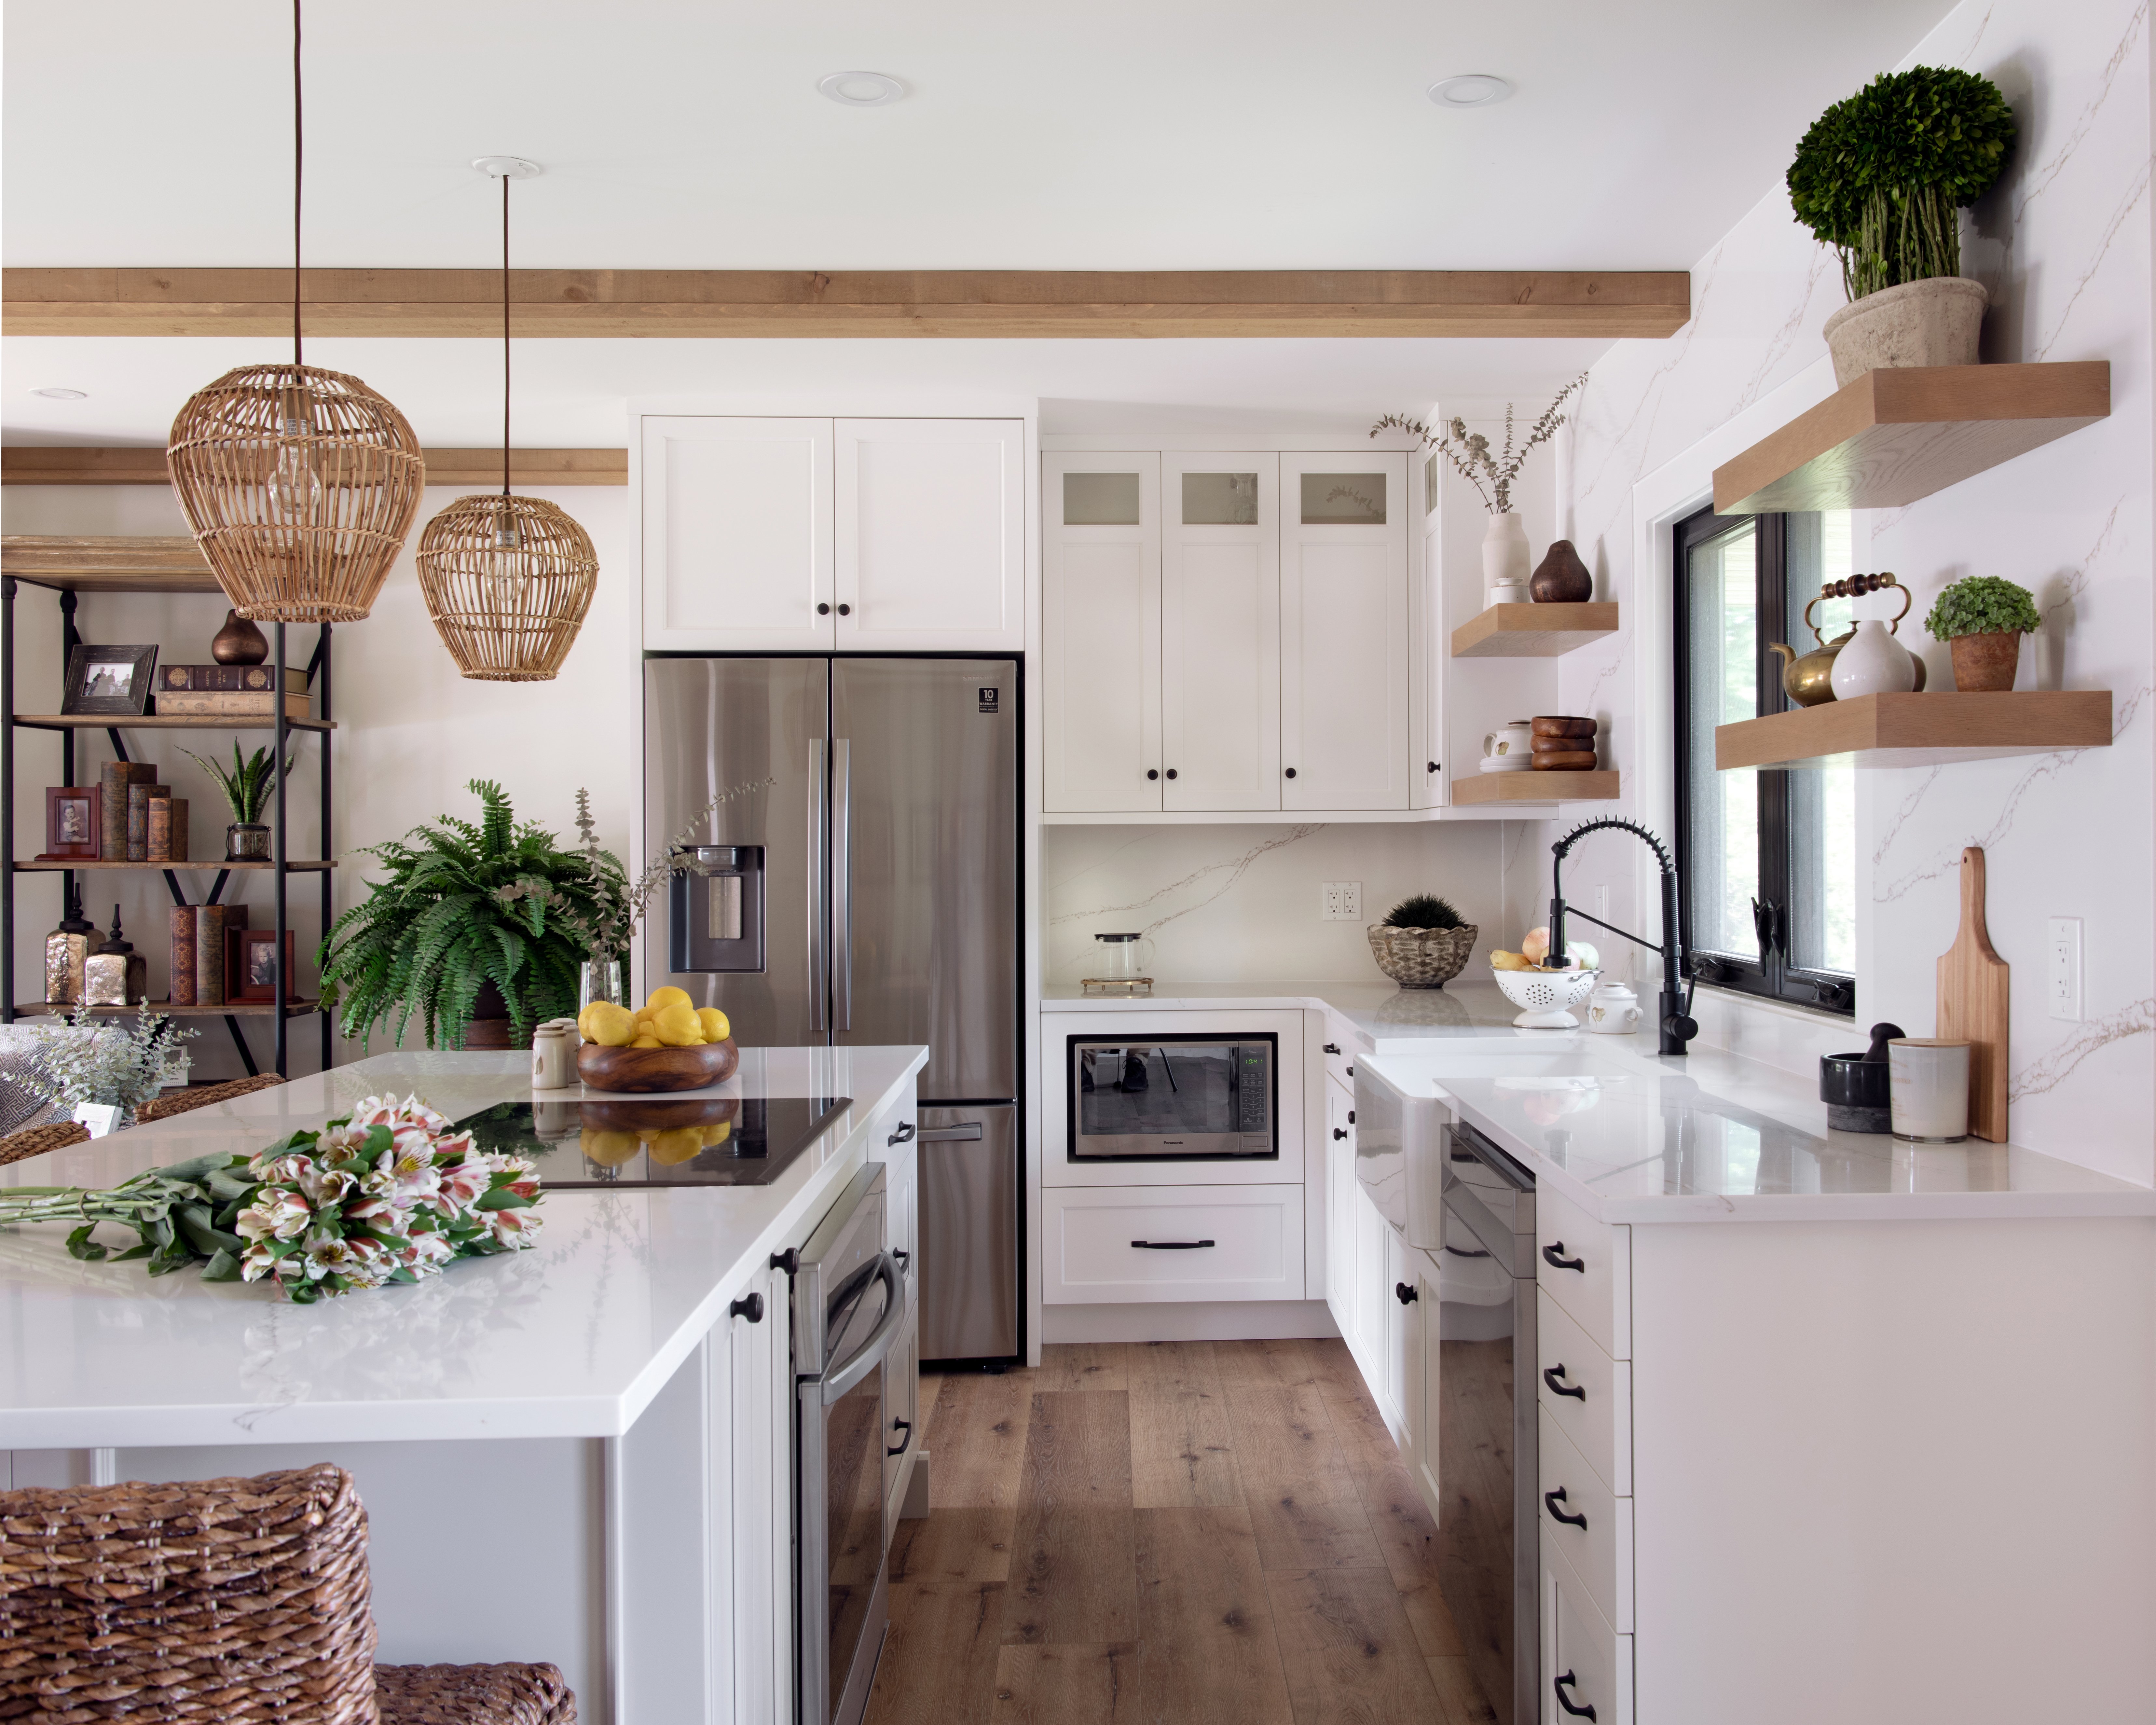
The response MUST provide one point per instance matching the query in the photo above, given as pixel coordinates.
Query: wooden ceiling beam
(1012, 303)
(478, 468)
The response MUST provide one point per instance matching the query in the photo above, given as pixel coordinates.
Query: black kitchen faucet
(1674, 1019)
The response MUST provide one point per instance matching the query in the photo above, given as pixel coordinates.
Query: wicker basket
(1422, 957)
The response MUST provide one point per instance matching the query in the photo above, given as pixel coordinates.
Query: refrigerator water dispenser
(717, 921)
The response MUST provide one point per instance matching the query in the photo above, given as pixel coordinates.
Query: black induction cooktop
(619, 1143)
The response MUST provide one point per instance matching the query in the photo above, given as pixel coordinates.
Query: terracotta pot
(644, 1070)
(1986, 661)
(1934, 322)
(1561, 578)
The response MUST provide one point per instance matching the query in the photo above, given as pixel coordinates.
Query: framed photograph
(253, 975)
(110, 680)
(74, 831)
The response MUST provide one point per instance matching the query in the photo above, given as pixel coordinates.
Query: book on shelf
(112, 782)
(226, 679)
(167, 835)
(209, 956)
(230, 705)
(139, 797)
(182, 990)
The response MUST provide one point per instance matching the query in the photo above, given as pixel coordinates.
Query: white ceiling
(1119, 135)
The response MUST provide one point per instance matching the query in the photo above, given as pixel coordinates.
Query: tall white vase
(1505, 550)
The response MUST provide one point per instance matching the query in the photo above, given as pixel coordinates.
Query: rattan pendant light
(300, 484)
(507, 579)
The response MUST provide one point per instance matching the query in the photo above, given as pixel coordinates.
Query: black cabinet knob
(1339, 1132)
(1170, 772)
(750, 1306)
(1433, 766)
(1332, 1048)
(1291, 773)
(845, 610)
(1153, 772)
(823, 610)
(1404, 1294)
(1350, 1116)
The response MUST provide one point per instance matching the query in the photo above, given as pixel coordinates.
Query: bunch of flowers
(390, 1193)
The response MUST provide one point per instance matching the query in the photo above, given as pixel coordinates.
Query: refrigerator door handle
(842, 884)
(820, 898)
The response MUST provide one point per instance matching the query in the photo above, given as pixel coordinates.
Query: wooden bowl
(640, 1116)
(644, 1071)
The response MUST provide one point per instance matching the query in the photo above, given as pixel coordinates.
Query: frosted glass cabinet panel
(1219, 633)
(1101, 637)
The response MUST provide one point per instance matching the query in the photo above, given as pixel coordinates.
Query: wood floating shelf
(1528, 786)
(39, 865)
(1901, 433)
(237, 1009)
(1533, 631)
(175, 721)
(170, 564)
(1920, 730)
(138, 464)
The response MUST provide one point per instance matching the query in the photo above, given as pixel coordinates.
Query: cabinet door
(1341, 1201)
(1219, 631)
(1431, 640)
(1100, 632)
(1393, 1381)
(931, 518)
(758, 1387)
(1344, 631)
(902, 1418)
(1426, 1389)
(737, 535)
(1372, 1289)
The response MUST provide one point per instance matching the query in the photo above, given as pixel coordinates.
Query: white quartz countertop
(1634, 1137)
(572, 1338)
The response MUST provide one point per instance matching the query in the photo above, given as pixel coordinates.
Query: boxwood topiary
(1983, 605)
(1880, 176)
(1423, 911)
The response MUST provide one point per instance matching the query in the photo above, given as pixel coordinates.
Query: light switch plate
(1340, 901)
(2063, 978)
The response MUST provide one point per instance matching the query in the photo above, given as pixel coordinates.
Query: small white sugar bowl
(1613, 1010)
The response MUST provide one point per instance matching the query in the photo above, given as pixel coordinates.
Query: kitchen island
(574, 1453)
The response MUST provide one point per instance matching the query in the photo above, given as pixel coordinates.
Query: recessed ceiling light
(1471, 90)
(63, 394)
(860, 89)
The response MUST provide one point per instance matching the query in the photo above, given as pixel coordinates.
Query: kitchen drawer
(1599, 1421)
(1601, 1552)
(1578, 1644)
(1587, 1267)
(1251, 1249)
(902, 1416)
(1342, 1046)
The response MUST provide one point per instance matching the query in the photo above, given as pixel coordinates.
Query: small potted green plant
(1882, 177)
(1423, 942)
(247, 787)
(1982, 618)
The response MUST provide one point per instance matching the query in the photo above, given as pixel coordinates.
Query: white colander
(1546, 998)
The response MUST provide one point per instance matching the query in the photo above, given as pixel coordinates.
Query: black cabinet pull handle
(1404, 1294)
(1291, 773)
(1351, 1071)
(904, 1135)
(906, 1427)
(1550, 1376)
(904, 1256)
(1553, 1255)
(823, 610)
(1170, 772)
(845, 610)
(1550, 1502)
(1339, 1132)
(1332, 1048)
(1170, 1246)
(1153, 772)
(1565, 1701)
(750, 1306)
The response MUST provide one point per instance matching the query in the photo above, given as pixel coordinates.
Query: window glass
(1722, 607)
(1219, 499)
(1099, 500)
(1331, 500)
(1822, 548)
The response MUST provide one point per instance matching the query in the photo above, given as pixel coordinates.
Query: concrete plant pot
(1934, 322)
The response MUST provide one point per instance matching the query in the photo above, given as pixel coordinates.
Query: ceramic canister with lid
(1613, 1010)
(554, 1046)
(1927, 1089)
(1509, 748)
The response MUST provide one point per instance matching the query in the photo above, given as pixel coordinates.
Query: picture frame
(75, 824)
(110, 680)
(248, 979)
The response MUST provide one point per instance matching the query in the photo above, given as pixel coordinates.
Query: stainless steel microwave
(1183, 1097)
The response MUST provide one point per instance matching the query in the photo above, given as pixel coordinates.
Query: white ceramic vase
(1873, 663)
(1505, 550)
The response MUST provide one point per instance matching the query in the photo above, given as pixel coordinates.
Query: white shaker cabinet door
(1344, 631)
(1219, 631)
(1342, 1200)
(1100, 632)
(931, 534)
(737, 535)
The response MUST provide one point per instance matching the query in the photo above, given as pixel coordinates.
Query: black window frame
(1768, 972)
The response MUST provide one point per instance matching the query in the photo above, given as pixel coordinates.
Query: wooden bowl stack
(1562, 745)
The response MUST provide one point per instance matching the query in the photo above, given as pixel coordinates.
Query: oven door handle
(871, 1353)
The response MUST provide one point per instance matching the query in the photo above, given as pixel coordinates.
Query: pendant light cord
(505, 332)
(299, 135)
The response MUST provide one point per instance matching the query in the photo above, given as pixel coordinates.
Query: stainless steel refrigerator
(869, 894)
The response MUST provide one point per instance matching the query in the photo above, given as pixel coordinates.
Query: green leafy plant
(1423, 911)
(461, 907)
(1983, 605)
(247, 787)
(1880, 176)
(107, 1061)
(1490, 473)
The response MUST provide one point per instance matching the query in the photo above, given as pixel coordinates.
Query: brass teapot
(1808, 681)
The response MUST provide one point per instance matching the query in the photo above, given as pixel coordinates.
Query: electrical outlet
(1340, 900)
(2064, 983)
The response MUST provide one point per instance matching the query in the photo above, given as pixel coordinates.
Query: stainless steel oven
(849, 1307)
(1185, 1096)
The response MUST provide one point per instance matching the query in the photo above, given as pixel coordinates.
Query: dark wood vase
(1561, 578)
(489, 1025)
(238, 642)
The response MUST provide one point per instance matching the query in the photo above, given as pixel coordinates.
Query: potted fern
(479, 929)
(246, 787)
(1423, 942)
(1882, 178)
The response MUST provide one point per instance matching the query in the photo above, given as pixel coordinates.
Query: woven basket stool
(208, 1096)
(36, 1140)
(226, 1602)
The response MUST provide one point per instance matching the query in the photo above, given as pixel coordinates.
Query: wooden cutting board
(1972, 1006)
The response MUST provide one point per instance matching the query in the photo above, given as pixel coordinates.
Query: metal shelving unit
(69, 567)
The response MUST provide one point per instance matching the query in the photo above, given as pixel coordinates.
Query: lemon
(715, 1027)
(669, 997)
(670, 1149)
(720, 1133)
(609, 1025)
(647, 1042)
(677, 1026)
(609, 1149)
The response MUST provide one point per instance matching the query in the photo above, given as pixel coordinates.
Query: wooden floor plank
(1301, 1495)
(1060, 1684)
(1081, 1365)
(1182, 1453)
(939, 1662)
(954, 1545)
(978, 1444)
(1073, 1566)
(1408, 1537)
(1208, 1650)
(1365, 1439)
(1460, 1702)
(1347, 1650)
(1278, 1363)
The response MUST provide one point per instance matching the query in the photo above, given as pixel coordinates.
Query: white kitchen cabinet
(1371, 1291)
(1430, 644)
(1341, 1201)
(1425, 1388)
(1585, 1664)
(754, 1409)
(1219, 631)
(1393, 1361)
(1100, 694)
(737, 534)
(1105, 1245)
(1344, 631)
(901, 1418)
(930, 540)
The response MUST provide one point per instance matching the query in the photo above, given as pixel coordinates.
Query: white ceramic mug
(1614, 1010)
(1927, 1090)
(1509, 748)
